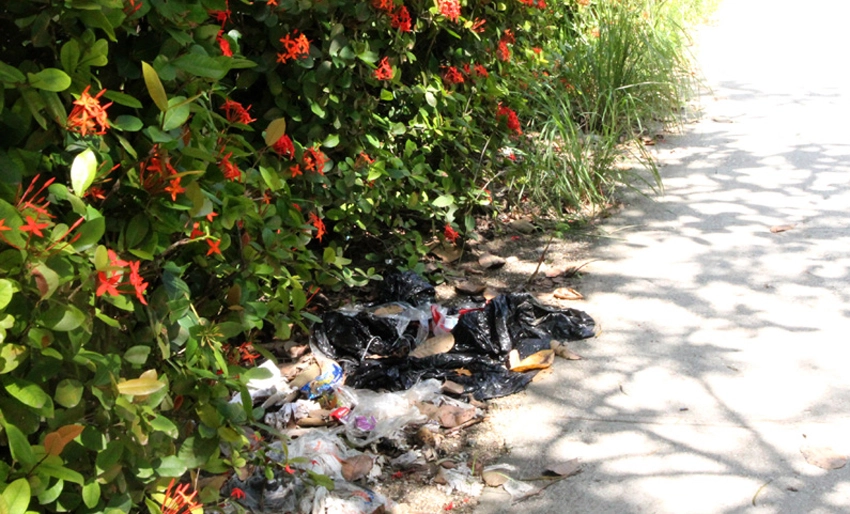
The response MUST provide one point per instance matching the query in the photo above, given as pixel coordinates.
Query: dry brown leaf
(567, 293)
(463, 371)
(542, 375)
(494, 478)
(490, 261)
(561, 350)
(447, 253)
(388, 310)
(470, 287)
(781, 228)
(564, 469)
(451, 416)
(539, 360)
(823, 457)
(356, 467)
(433, 346)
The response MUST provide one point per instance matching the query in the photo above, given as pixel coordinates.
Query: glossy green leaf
(6, 292)
(63, 318)
(50, 79)
(83, 171)
(127, 123)
(154, 85)
(27, 393)
(68, 393)
(10, 74)
(137, 355)
(171, 466)
(18, 445)
(443, 201)
(12, 356)
(164, 425)
(275, 130)
(69, 55)
(17, 496)
(89, 233)
(123, 99)
(202, 66)
(91, 494)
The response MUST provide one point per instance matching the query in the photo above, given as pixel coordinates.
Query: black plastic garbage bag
(509, 320)
(407, 287)
(342, 336)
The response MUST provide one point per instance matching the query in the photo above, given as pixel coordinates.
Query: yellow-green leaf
(83, 171)
(154, 86)
(50, 79)
(275, 130)
(146, 384)
(17, 496)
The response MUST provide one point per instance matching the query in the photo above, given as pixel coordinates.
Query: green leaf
(164, 425)
(154, 86)
(89, 234)
(11, 356)
(50, 79)
(46, 280)
(275, 130)
(6, 292)
(171, 466)
(123, 99)
(68, 393)
(63, 318)
(27, 393)
(70, 56)
(109, 456)
(177, 114)
(331, 141)
(10, 74)
(17, 496)
(61, 472)
(98, 20)
(83, 171)
(137, 355)
(91, 494)
(430, 99)
(203, 66)
(271, 178)
(18, 445)
(387, 95)
(443, 201)
(137, 230)
(128, 123)
(142, 386)
(50, 494)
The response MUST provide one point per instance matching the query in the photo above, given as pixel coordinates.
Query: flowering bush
(234, 160)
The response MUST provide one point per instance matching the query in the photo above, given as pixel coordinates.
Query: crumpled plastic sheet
(373, 344)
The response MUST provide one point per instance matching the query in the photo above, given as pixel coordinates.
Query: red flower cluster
(503, 51)
(452, 75)
(450, 233)
(177, 501)
(157, 175)
(314, 160)
(223, 44)
(230, 170)
(478, 25)
(108, 281)
(510, 117)
(383, 5)
(283, 146)
(450, 9)
(401, 20)
(319, 224)
(88, 116)
(481, 71)
(236, 113)
(540, 4)
(384, 70)
(295, 48)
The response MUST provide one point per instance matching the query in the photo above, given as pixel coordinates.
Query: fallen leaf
(490, 293)
(451, 416)
(356, 467)
(562, 351)
(781, 228)
(567, 293)
(447, 253)
(564, 469)
(823, 457)
(494, 478)
(539, 360)
(463, 371)
(470, 287)
(526, 227)
(433, 346)
(490, 261)
(541, 375)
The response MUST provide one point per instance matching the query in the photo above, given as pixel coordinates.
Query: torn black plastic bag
(343, 336)
(482, 378)
(510, 321)
(407, 287)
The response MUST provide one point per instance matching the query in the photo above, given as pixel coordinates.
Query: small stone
(490, 261)
(470, 287)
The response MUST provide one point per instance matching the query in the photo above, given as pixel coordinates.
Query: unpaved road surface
(725, 346)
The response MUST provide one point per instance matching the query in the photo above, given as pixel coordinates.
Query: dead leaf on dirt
(490, 261)
(564, 469)
(542, 375)
(470, 287)
(494, 478)
(539, 360)
(356, 467)
(823, 457)
(526, 227)
(452, 388)
(451, 416)
(567, 293)
(448, 253)
(781, 228)
(561, 350)
(433, 346)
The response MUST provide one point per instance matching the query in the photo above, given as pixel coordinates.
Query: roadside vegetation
(179, 179)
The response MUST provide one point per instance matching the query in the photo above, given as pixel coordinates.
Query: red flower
(230, 170)
(174, 188)
(176, 501)
(284, 147)
(481, 71)
(88, 116)
(138, 283)
(478, 25)
(3, 226)
(319, 224)
(107, 284)
(295, 48)
(295, 170)
(32, 225)
(196, 231)
(237, 493)
(223, 44)
(383, 5)
(384, 71)
(314, 160)
(363, 160)
(510, 118)
(450, 233)
(235, 113)
(221, 16)
(213, 247)
(450, 9)
(537, 50)
(401, 20)
(211, 215)
(504, 52)
(452, 75)
(245, 353)
(509, 36)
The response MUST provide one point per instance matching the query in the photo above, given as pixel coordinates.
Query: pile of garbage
(381, 379)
